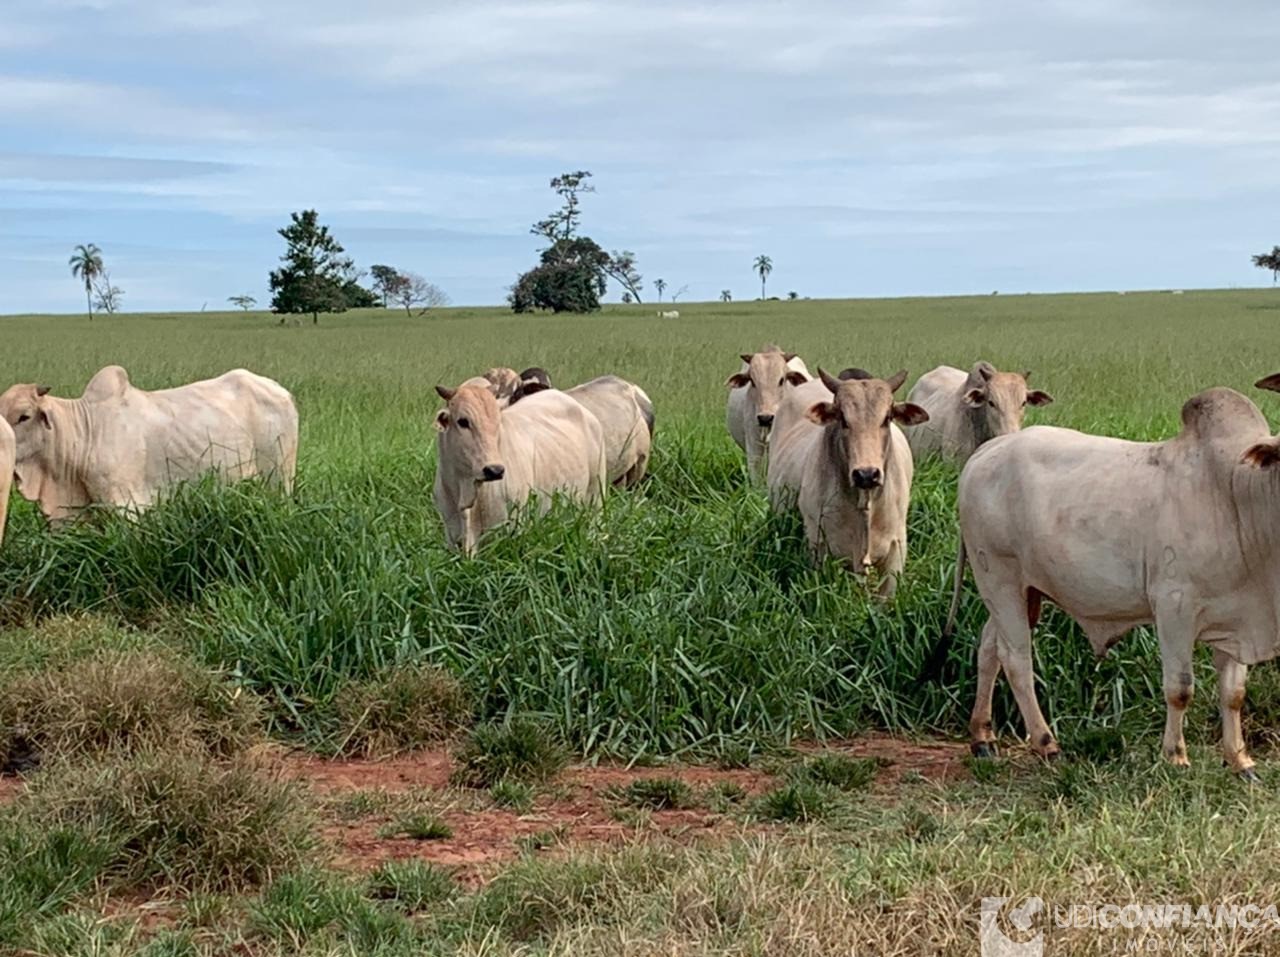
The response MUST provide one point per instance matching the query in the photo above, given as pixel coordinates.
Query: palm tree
(763, 265)
(86, 265)
(726, 295)
(660, 284)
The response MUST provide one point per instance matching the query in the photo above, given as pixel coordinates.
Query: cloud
(70, 168)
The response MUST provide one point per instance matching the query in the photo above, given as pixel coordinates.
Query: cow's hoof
(1053, 757)
(1249, 776)
(983, 749)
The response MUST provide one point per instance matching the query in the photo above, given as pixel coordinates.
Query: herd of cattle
(1179, 534)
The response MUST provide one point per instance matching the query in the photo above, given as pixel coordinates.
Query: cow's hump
(110, 382)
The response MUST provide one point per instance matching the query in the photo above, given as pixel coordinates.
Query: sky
(870, 149)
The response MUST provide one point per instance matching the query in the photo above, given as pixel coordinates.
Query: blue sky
(870, 149)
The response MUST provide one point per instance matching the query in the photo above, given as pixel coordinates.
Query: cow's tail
(646, 409)
(937, 659)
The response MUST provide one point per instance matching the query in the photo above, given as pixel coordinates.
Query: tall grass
(686, 615)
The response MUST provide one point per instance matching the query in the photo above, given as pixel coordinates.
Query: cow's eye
(464, 423)
(782, 381)
(23, 418)
(992, 403)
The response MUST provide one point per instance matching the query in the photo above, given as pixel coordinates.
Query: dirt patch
(580, 808)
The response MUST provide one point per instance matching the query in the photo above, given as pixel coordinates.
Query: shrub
(398, 709)
(519, 749)
(516, 795)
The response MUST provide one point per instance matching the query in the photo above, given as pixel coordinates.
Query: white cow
(119, 445)
(7, 459)
(966, 410)
(491, 457)
(838, 454)
(625, 413)
(754, 394)
(669, 314)
(1179, 533)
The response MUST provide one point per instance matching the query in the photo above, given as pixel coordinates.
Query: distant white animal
(671, 314)
(119, 445)
(1177, 292)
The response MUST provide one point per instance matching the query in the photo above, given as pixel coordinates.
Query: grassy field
(684, 623)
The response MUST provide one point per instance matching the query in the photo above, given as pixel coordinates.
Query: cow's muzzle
(866, 478)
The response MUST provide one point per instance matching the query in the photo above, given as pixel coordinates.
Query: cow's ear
(823, 413)
(797, 378)
(1036, 397)
(1271, 383)
(442, 420)
(738, 380)
(976, 397)
(908, 413)
(445, 393)
(1264, 455)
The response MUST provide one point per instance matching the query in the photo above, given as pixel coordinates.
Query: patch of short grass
(798, 802)
(417, 826)
(516, 795)
(840, 771)
(657, 794)
(411, 885)
(520, 748)
(398, 709)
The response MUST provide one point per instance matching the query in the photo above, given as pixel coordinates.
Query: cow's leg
(1231, 678)
(1174, 633)
(982, 736)
(889, 569)
(1013, 643)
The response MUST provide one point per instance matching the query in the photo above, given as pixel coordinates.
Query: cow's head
(29, 413)
(1000, 399)
(469, 449)
(857, 420)
(1264, 455)
(766, 379)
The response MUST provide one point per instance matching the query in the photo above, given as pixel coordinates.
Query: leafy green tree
(244, 301)
(763, 265)
(726, 295)
(572, 272)
(387, 282)
(793, 295)
(316, 276)
(1269, 261)
(660, 285)
(86, 265)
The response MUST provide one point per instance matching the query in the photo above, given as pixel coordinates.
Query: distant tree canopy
(573, 271)
(1269, 261)
(316, 276)
(244, 301)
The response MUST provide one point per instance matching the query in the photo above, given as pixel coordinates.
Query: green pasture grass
(685, 619)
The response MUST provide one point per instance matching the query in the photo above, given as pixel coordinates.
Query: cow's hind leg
(1231, 678)
(1011, 615)
(982, 736)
